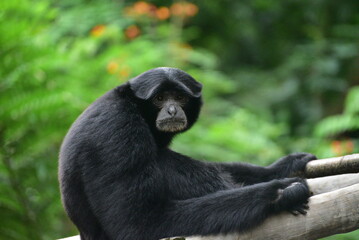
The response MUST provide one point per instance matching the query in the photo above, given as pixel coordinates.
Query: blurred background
(279, 77)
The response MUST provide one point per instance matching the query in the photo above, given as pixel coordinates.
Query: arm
(247, 174)
(142, 201)
(288, 166)
(234, 210)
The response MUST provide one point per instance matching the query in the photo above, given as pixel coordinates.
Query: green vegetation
(279, 77)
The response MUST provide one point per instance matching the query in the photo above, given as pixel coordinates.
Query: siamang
(119, 179)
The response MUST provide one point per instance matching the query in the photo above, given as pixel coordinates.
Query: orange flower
(191, 9)
(132, 32)
(337, 147)
(98, 30)
(141, 7)
(124, 72)
(349, 147)
(163, 13)
(177, 9)
(112, 67)
(184, 9)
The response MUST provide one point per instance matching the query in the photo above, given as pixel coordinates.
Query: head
(171, 98)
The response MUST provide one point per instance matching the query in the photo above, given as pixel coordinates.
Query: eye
(179, 97)
(159, 98)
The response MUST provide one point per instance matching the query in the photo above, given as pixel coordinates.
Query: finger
(310, 157)
(302, 211)
(305, 206)
(294, 212)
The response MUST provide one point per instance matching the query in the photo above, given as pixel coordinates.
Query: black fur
(119, 180)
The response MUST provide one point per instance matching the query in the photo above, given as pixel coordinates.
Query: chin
(171, 127)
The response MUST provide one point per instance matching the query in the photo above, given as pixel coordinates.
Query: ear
(149, 83)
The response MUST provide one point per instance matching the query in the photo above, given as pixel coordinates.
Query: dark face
(171, 117)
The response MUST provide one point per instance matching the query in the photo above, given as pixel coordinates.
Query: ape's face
(171, 116)
(169, 99)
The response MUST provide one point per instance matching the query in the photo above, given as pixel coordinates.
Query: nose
(172, 110)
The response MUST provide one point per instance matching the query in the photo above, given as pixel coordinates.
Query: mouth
(171, 125)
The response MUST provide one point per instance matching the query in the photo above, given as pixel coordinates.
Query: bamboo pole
(333, 166)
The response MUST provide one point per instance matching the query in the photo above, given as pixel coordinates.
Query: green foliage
(270, 70)
(337, 124)
(49, 75)
(240, 136)
(351, 104)
(348, 121)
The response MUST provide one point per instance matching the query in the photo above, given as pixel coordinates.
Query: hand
(292, 164)
(293, 197)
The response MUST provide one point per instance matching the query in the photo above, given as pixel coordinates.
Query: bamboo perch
(333, 166)
(331, 183)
